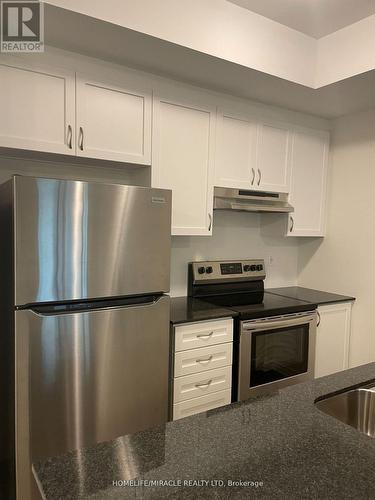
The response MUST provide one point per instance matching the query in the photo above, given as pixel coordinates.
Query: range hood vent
(244, 200)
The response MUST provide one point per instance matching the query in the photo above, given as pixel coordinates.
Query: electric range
(274, 336)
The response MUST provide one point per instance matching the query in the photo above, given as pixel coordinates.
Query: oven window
(279, 354)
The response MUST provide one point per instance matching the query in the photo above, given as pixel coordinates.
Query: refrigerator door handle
(84, 307)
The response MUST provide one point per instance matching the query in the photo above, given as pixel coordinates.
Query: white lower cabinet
(201, 404)
(202, 374)
(333, 338)
(205, 358)
(203, 334)
(202, 383)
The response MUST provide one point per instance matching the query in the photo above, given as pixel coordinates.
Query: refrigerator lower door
(87, 377)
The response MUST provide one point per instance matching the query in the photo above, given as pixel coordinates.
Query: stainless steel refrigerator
(84, 337)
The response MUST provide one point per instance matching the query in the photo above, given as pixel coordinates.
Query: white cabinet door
(37, 107)
(235, 151)
(332, 338)
(182, 158)
(113, 120)
(308, 183)
(273, 158)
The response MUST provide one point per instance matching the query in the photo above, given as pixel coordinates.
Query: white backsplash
(239, 235)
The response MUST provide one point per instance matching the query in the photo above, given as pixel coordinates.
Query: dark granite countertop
(281, 441)
(187, 309)
(309, 295)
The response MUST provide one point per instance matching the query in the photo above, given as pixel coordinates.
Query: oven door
(276, 352)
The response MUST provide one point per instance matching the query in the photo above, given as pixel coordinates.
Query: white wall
(344, 262)
(215, 27)
(238, 235)
(346, 52)
(227, 31)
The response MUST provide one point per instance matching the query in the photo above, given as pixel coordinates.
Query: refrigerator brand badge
(158, 199)
(22, 26)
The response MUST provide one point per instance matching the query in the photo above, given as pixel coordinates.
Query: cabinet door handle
(207, 360)
(205, 335)
(206, 384)
(319, 319)
(210, 223)
(69, 137)
(253, 179)
(80, 140)
(260, 176)
(291, 223)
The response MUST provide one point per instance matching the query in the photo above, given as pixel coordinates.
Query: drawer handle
(205, 335)
(207, 360)
(204, 385)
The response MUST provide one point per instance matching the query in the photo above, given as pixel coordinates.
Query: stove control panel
(228, 270)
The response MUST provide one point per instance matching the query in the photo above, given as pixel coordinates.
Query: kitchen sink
(355, 408)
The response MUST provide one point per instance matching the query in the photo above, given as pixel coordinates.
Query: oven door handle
(278, 322)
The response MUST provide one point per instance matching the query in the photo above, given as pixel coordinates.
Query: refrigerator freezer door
(89, 377)
(77, 240)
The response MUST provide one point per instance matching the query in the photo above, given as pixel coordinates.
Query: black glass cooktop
(259, 304)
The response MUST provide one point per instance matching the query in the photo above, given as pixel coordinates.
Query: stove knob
(246, 268)
(260, 268)
(201, 270)
(209, 270)
(253, 267)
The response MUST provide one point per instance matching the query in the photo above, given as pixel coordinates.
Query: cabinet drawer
(199, 384)
(201, 359)
(203, 334)
(201, 404)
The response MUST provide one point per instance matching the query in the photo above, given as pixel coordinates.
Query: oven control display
(232, 268)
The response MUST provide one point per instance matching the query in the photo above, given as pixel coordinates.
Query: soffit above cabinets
(96, 38)
(316, 18)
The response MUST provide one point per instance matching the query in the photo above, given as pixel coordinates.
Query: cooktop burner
(239, 285)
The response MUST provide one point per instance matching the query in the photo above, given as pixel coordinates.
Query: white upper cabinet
(192, 139)
(273, 157)
(308, 183)
(235, 151)
(37, 107)
(251, 153)
(113, 120)
(183, 156)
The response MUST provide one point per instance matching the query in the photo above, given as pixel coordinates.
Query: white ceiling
(315, 18)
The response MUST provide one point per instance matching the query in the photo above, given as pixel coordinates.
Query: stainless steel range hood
(250, 201)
